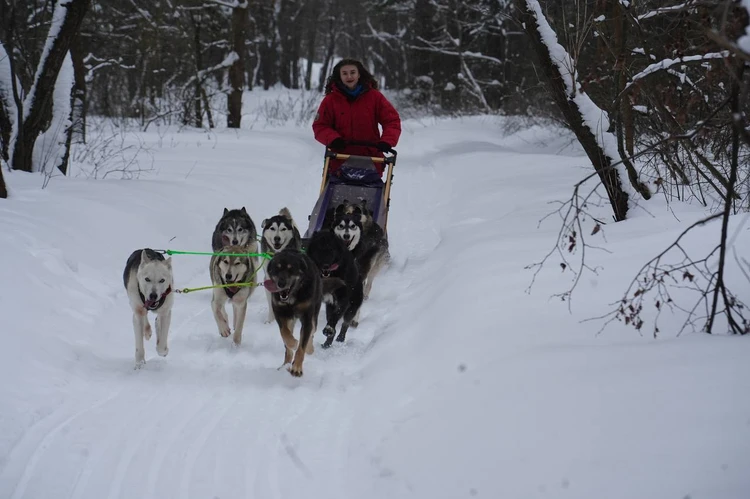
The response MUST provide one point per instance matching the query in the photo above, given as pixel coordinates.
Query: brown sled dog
(297, 291)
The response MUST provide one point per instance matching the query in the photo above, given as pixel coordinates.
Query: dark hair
(365, 78)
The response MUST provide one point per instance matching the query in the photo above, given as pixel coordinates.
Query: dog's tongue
(270, 286)
(151, 303)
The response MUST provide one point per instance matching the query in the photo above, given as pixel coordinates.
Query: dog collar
(161, 300)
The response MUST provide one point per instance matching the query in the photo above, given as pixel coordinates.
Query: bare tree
(7, 104)
(560, 72)
(66, 21)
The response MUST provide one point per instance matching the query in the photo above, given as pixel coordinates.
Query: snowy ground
(458, 383)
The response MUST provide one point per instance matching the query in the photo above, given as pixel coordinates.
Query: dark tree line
(658, 69)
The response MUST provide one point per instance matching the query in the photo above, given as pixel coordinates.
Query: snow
(667, 63)
(667, 10)
(457, 383)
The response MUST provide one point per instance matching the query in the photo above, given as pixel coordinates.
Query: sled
(358, 180)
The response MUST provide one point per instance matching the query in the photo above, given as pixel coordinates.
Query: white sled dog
(279, 233)
(237, 270)
(148, 281)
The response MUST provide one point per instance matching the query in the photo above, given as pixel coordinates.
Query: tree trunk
(312, 32)
(3, 189)
(198, 118)
(39, 101)
(78, 99)
(237, 69)
(5, 126)
(602, 163)
(330, 49)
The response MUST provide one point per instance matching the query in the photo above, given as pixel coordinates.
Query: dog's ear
(243, 211)
(144, 256)
(303, 265)
(168, 261)
(225, 212)
(263, 224)
(340, 209)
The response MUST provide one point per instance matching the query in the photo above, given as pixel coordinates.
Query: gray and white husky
(233, 270)
(234, 228)
(148, 281)
(279, 233)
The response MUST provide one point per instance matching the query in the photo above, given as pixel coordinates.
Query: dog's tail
(331, 284)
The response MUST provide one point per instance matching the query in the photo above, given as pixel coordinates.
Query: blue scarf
(354, 93)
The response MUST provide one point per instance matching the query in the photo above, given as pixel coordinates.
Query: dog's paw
(310, 348)
(139, 364)
(341, 338)
(329, 331)
(297, 373)
(328, 342)
(225, 332)
(147, 331)
(162, 351)
(354, 324)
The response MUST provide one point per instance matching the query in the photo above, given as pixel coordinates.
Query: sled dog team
(337, 268)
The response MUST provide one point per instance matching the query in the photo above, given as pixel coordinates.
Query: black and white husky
(279, 233)
(235, 228)
(334, 261)
(239, 271)
(367, 241)
(148, 281)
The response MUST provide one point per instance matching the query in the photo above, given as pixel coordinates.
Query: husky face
(326, 250)
(286, 271)
(233, 268)
(348, 228)
(236, 228)
(278, 232)
(154, 279)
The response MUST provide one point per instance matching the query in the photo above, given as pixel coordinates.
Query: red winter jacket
(340, 115)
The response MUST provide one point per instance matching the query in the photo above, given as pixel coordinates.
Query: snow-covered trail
(391, 413)
(209, 420)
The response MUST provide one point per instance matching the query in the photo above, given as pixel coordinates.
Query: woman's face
(349, 76)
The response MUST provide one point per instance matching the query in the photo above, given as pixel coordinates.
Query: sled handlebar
(375, 159)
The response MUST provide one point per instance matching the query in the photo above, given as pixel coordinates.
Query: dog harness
(233, 290)
(160, 302)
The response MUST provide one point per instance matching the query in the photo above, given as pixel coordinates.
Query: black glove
(383, 146)
(337, 144)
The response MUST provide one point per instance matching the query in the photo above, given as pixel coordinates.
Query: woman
(351, 110)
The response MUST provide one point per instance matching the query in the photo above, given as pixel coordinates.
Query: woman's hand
(337, 144)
